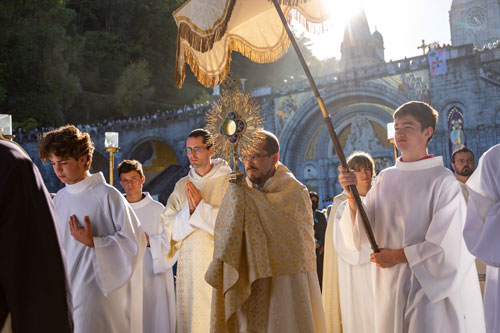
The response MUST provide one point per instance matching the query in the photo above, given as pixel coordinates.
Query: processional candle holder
(6, 126)
(111, 146)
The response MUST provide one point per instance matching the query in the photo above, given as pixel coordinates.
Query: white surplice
(192, 236)
(355, 281)
(106, 281)
(419, 206)
(159, 294)
(482, 229)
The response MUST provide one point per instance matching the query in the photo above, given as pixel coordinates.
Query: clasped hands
(194, 196)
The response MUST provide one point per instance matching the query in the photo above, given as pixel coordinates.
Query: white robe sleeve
(160, 246)
(441, 262)
(483, 235)
(204, 217)
(351, 244)
(182, 227)
(116, 256)
(482, 228)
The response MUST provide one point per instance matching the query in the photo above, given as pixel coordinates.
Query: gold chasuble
(330, 291)
(264, 266)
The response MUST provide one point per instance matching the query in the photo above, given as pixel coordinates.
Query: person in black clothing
(34, 290)
(319, 233)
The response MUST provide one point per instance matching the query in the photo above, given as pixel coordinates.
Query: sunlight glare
(341, 11)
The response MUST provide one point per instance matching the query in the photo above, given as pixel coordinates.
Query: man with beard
(264, 265)
(462, 161)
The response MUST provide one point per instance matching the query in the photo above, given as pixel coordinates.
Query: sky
(402, 23)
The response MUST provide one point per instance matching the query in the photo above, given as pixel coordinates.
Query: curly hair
(66, 141)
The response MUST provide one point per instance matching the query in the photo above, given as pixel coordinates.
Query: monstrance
(234, 121)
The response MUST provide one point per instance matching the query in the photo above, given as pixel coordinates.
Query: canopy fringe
(205, 43)
(211, 81)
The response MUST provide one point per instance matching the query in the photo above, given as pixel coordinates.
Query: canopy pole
(328, 121)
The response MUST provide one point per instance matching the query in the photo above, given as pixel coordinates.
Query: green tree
(133, 88)
(35, 56)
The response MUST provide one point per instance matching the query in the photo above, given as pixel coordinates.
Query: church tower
(360, 48)
(474, 21)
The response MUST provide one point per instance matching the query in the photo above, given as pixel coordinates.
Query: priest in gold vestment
(264, 267)
(189, 219)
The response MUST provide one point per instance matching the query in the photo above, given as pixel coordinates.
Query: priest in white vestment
(101, 236)
(264, 268)
(189, 220)
(158, 280)
(424, 279)
(482, 229)
(354, 267)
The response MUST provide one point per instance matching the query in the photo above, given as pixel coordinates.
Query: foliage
(202, 97)
(35, 53)
(133, 88)
(83, 61)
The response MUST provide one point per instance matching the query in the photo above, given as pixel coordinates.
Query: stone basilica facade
(362, 97)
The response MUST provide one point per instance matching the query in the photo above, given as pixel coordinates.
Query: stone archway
(369, 110)
(154, 155)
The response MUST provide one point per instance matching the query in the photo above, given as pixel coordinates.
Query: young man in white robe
(424, 279)
(354, 267)
(101, 236)
(189, 220)
(482, 229)
(158, 280)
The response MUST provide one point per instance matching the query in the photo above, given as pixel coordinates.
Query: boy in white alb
(354, 267)
(104, 256)
(158, 280)
(424, 279)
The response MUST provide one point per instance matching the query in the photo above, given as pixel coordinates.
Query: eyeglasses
(252, 157)
(197, 150)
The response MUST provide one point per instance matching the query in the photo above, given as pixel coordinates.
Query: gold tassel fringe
(205, 43)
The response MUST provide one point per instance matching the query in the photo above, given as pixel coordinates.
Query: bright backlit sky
(402, 23)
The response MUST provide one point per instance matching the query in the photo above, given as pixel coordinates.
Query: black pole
(331, 129)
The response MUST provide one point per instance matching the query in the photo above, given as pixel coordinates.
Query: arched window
(456, 129)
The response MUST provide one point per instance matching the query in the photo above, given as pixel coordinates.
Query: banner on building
(437, 61)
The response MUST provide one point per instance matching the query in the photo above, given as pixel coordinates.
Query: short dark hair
(425, 114)
(126, 166)
(66, 141)
(313, 194)
(462, 149)
(208, 140)
(271, 142)
(359, 159)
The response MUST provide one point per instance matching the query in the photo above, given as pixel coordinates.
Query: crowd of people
(149, 119)
(253, 254)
